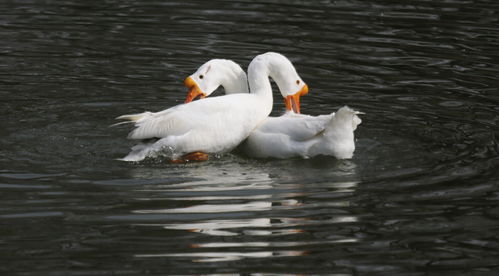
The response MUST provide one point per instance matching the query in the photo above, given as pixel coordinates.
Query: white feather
(334, 136)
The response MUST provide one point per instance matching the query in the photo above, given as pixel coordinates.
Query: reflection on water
(419, 197)
(240, 223)
(241, 200)
(228, 256)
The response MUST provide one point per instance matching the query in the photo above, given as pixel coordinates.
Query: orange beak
(293, 101)
(194, 90)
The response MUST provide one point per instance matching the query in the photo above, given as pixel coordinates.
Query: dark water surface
(419, 197)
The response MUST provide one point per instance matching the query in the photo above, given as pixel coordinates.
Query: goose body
(181, 130)
(331, 134)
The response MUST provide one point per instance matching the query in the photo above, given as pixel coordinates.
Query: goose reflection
(241, 210)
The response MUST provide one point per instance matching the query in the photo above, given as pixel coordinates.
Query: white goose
(285, 136)
(218, 124)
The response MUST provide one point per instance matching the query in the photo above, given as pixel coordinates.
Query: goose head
(284, 74)
(229, 75)
(215, 73)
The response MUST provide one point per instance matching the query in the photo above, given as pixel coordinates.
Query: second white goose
(286, 136)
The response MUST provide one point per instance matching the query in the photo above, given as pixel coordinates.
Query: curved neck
(235, 81)
(259, 83)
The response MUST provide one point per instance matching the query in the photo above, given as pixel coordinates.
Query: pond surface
(419, 197)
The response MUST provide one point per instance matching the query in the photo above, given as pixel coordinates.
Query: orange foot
(196, 156)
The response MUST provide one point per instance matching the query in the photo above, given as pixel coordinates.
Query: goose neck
(236, 82)
(259, 83)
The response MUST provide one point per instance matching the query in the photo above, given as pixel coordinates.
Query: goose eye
(297, 81)
(201, 76)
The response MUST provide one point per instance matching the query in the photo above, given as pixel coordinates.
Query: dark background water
(419, 197)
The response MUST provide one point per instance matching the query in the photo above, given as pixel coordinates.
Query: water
(419, 197)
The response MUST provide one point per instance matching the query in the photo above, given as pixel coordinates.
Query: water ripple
(419, 196)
